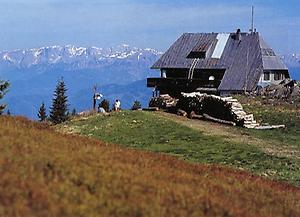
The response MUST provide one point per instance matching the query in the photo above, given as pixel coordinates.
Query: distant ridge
(293, 63)
(74, 56)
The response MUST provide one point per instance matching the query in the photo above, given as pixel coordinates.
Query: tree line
(59, 110)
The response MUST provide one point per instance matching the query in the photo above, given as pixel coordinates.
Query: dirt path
(234, 134)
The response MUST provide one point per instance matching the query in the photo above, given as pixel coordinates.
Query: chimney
(238, 35)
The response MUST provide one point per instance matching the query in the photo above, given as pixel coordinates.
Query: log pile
(221, 109)
(225, 110)
(168, 100)
(164, 101)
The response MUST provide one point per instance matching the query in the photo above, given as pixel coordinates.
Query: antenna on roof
(252, 20)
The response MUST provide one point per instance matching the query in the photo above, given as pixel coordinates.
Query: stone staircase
(240, 115)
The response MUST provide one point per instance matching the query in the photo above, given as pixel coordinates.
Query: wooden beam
(208, 117)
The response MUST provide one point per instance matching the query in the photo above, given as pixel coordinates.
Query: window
(164, 73)
(277, 76)
(267, 76)
(268, 52)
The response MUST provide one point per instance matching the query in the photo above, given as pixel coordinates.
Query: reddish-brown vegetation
(44, 173)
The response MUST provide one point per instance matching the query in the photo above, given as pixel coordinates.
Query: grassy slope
(44, 173)
(276, 113)
(153, 132)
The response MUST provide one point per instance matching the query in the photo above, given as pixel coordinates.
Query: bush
(136, 105)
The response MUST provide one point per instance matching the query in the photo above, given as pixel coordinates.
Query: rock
(181, 113)
(295, 92)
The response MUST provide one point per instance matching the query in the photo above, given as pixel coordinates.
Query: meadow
(272, 153)
(275, 111)
(46, 173)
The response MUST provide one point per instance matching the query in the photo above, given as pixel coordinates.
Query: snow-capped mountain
(33, 74)
(291, 59)
(74, 57)
(293, 63)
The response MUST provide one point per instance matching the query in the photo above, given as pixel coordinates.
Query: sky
(142, 23)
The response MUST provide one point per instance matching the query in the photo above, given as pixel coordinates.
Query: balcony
(183, 83)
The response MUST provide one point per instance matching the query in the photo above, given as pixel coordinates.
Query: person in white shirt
(117, 105)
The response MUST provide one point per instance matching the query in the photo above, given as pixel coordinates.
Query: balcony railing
(182, 82)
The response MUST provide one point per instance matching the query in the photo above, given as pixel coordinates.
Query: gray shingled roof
(244, 61)
(270, 60)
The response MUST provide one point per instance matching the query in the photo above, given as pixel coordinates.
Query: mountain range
(119, 73)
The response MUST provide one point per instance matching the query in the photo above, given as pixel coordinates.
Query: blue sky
(142, 23)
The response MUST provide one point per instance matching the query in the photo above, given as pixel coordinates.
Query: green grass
(144, 130)
(267, 114)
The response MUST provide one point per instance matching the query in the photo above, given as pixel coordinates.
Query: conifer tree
(42, 113)
(3, 89)
(59, 110)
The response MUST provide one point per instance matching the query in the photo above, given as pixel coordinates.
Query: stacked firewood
(226, 110)
(220, 109)
(164, 101)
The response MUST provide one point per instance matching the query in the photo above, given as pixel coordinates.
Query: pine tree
(59, 110)
(8, 112)
(3, 89)
(42, 113)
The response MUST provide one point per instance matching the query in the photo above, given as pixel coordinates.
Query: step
(250, 122)
(270, 127)
(238, 112)
(249, 117)
(237, 109)
(235, 104)
(251, 126)
(232, 100)
(241, 114)
(227, 98)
